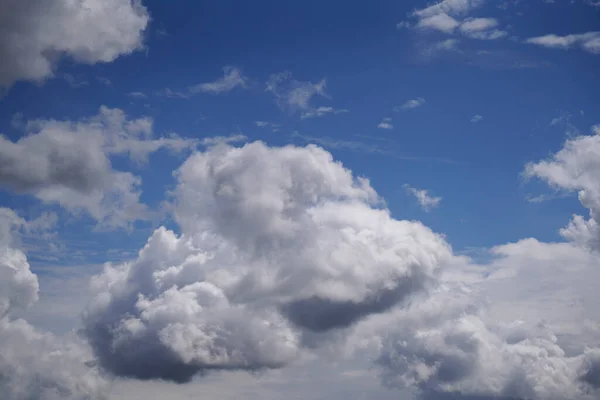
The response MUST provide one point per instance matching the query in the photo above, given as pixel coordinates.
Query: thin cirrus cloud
(476, 118)
(425, 200)
(293, 95)
(232, 78)
(589, 42)
(411, 104)
(322, 111)
(34, 36)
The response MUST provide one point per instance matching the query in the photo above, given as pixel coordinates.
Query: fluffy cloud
(36, 365)
(278, 247)
(34, 35)
(575, 168)
(426, 201)
(232, 78)
(68, 163)
(293, 95)
(448, 16)
(524, 326)
(589, 41)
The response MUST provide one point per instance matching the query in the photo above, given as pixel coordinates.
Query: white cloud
(450, 7)
(232, 78)
(447, 16)
(137, 95)
(386, 123)
(322, 111)
(476, 118)
(575, 168)
(36, 365)
(482, 28)
(34, 35)
(68, 163)
(589, 41)
(426, 201)
(411, 104)
(291, 94)
(266, 124)
(279, 249)
(441, 22)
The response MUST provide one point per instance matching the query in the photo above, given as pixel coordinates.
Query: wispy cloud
(386, 123)
(137, 95)
(104, 80)
(482, 28)
(293, 95)
(75, 81)
(266, 124)
(211, 141)
(173, 94)
(425, 200)
(322, 111)
(476, 118)
(232, 78)
(411, 104)
(589, 41)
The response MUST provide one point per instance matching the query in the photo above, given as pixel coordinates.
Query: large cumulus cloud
(35, 34)
(525, 325)
(275, 244)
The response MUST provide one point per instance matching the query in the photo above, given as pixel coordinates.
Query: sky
(316, 200)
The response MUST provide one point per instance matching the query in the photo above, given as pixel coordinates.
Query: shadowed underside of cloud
(69, 163)
(275, 242)
(33, 364)
(35, 34)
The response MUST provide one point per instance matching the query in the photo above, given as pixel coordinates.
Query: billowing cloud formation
(68, 163)
(525, 326)
(35, 365)
(451, 345)
(34, 35)
(275, 244)
(575, 168)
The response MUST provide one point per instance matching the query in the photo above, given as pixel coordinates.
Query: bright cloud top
(279, 246)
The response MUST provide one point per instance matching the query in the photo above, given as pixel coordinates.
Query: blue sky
(447, 108)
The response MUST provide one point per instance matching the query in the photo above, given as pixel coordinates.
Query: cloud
(426, 201)
(411, 104)
(575, 168)
(589, 41)
(293, 95)
(385, 123)
(447, 17)
(36, 365)
(35, 35)
(451, 7)
(441, 22)
(279, 247)
(476, 118)
(68, 163)
(232, 78)
(482, 28)
(137, 95)
(322, 111)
